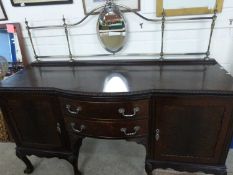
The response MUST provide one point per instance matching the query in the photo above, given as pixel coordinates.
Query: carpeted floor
(97, 157)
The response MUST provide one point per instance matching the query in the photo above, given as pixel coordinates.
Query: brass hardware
(162, 37)
(78, 109)
(82, 128)
(67, 38)
(65, 26)
(59, 128)
(136, 129)
(207, 57)
(125, 8)
(30, 38)
(141, 25)
(122, 112)
(231, 21)
(124, 55)
(157, 134)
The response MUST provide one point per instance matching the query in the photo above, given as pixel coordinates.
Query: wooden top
(124, 78)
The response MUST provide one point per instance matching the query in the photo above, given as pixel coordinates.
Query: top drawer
(105, 110)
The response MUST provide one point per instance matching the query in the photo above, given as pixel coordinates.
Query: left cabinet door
(35, 120)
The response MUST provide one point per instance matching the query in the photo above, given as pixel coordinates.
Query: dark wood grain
(34, 118)
(105, 110)
(91, 80)
(190, 102)
(192, 129)
(107, 129)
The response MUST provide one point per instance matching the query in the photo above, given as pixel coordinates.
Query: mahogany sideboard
(181, 111)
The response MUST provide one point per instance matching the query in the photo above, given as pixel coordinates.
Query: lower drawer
(107, 129)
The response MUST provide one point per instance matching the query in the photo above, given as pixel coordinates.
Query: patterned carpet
(3, 132)
(97, 157)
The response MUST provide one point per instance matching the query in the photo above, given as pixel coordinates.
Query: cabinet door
(192, 129)
(35, 121)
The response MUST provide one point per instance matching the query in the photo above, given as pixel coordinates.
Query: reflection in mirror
(111, 28)
(116, 83)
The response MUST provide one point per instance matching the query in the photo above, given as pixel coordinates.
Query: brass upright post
(67, 38)
(162, 38)
(31, 41)
(214, 18)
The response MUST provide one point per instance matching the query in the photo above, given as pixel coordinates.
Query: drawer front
(107, 129)
(105, 110)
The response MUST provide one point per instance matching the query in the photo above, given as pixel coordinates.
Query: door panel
(192, 129)
(35, 121)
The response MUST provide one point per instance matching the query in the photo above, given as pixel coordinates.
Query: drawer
(105, 110)
(107, 129)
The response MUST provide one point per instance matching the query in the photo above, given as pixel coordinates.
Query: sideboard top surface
(143, 78)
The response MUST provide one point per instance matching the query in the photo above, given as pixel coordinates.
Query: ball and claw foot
(77, 172)
(29, 167)
(28, 170)
(74, 161)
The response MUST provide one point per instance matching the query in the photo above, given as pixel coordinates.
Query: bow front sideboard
(181, 111)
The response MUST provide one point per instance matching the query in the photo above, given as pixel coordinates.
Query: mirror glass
(111, 28)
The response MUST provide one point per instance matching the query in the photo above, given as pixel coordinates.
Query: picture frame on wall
(191, 7)
(89, 5)
(22, 3)
(3, 15)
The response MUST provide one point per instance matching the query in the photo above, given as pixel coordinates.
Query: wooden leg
(29, 167)
(74, 158)
(223, 173)
(149, 168)
(74, 161)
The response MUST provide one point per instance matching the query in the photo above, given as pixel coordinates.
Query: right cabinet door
(192, 129)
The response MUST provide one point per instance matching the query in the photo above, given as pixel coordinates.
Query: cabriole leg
(149, 168)
(29, 167)
(74, 158)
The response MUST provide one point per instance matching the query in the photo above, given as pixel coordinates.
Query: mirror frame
(126, 31)
(20, 39)
(86, 11)
(186, 11)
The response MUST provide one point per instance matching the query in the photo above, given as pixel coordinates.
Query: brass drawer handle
(82, 128)
(136, 129)
(122, 112)
(78, 109)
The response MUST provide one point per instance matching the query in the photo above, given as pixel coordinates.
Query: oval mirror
(111, 28)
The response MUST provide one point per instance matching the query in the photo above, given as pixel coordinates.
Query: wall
(179, 37)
